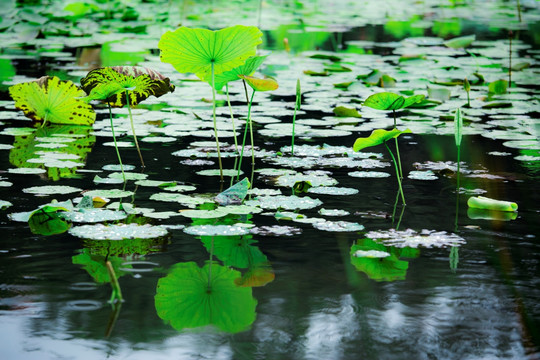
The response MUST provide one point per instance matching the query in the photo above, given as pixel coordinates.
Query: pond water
(338, 270)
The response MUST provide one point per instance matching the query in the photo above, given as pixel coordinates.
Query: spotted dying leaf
(110, 84)
(50, 99)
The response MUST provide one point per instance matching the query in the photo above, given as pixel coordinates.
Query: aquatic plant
(116, 295)
(49, 99)
(207, 53)
(377, 137)
(257, 85)
(297, 104)
(124, 85)
(391, 101)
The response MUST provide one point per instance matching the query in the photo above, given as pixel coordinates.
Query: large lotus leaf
(248, 68)
(260, 84)
(387, 268)
(391, 101)
(377, 137)
(53, 100)
(191, 297)
(95, 265)
(195, 50)
(236, 251)
(110, 84)
(76, 143)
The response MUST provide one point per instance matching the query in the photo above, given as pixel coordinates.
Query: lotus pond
(299, 180)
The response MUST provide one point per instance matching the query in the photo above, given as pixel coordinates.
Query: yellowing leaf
(260, 84)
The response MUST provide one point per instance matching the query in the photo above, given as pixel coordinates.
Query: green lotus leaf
(460, 42)
(248, 68)
(377, 137)
(260, 84)
(195, 50)
(191, 297)
(53, 100)
(498, 87)
(387, 268)
(110, 84)
(391, 101)
(342, 111)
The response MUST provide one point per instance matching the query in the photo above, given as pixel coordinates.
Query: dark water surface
(478, 300)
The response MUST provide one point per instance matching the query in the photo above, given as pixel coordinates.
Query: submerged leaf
(377, 137)
(196, 50)
(53, 100)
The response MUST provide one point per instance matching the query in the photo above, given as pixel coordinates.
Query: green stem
(293, 125)
(397, 175)
(115, 144)
(397, 147)
(251, 130)
(116, 291)
(510, 57)
(44, 119)
(468, 100)
(215, 124)
(519, 10)
(133, 129)
(232, 118)
(244, 138)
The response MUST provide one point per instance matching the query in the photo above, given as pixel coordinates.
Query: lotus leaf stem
(116, 291)
(115, 144)
(397, 173)
(133, 129)
(244, 138)
(215, 124)
(293, 126)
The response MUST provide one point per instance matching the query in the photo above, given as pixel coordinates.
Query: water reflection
(59, 149)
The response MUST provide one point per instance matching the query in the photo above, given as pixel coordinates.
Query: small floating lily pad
(338, 226)
(5, 204)
(284, 202)
(112, 194)
(190, 201)
(25, 170)
(332, 190)
(117, 232)
(371, 254)
(413, 239)
(216, 230)
(276, 230)
(51, 190)
(215, 172)
(369, 174)
(93, 215)
(333, 212)
(422, 175)
(117, 167)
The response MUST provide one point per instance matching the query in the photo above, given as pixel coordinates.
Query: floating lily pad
(5, 204)
(368, 174)
(333, 212)
(112, 194)
(190, 201)
(216, 230)
(276, 230)
(332, 190)
(51, 190)
(118, 232)
(25, 170)
(337, 226)
(413, 239)
(284, 202)
(422, 175)
(93, 215)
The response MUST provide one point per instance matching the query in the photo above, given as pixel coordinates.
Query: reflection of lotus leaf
(236, 251)
(60, 162)
(187, 299)
(95, 265)
(387, 268)
(257, 276)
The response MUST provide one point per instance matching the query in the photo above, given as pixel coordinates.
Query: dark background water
(319, 306)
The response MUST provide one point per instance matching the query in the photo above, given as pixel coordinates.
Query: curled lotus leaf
(52, 100)
(111, 83)
(199, 50)
(391, 101)
(258, 84)
(377, 137)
